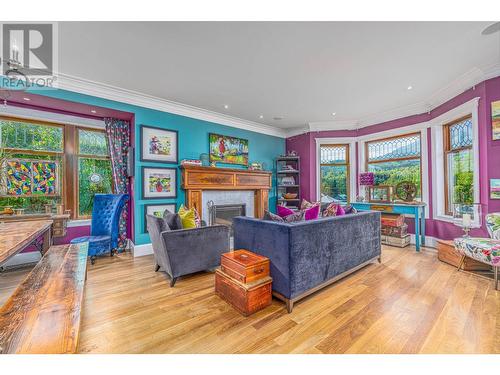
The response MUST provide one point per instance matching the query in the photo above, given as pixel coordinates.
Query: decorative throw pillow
(283, 211)
(312, 212)
(189, 218)
(350, 209)
(272, 217)
(305, 204)
(157, 222)
(295, 217)
(330, 210)
(340, 211)
(172, 220)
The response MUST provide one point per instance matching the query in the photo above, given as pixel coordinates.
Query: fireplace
(224, 213)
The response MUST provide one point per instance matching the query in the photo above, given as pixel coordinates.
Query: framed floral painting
(158, 183)
(156, 210)
(228, 150)
(159, 145)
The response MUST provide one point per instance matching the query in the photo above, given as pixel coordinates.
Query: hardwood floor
(411, 303)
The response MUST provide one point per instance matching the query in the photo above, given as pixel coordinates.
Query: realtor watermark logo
(28, 55)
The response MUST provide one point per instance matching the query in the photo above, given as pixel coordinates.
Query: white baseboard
(430, 242)
(141, 250)
(23, 258)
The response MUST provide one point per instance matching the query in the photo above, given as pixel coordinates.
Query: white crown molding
(87, 87)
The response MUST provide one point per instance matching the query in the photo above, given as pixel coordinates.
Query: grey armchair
(180, 252)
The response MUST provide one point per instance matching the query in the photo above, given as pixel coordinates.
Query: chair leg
(496, 277)
(111, 253)
(157, 268)
(92, 259)
(289, 305)
(172, 281)
(462, 260)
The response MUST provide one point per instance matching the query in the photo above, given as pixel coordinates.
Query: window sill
(79, 223)
(449, 219)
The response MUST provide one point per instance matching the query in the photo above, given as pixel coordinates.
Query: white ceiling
(301, 71)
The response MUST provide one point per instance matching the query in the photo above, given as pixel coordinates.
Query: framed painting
(159, 183)
(494, 188)
(495, 120)
(156, 210)
(229, 150)
(159, 145)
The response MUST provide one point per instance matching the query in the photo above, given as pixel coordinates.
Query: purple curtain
(118, 139)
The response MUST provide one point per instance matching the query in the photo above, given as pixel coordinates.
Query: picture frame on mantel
(159, 183)
(159, 145)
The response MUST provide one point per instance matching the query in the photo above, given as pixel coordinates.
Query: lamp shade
(366, 178)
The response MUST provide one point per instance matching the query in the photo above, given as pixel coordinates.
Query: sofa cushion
(350, 209)
(306, 204)
(172, 220)
(272, 217)
(283, 211)
(189, 218)
(330, 210)
(312, 212)
(295, 217)
(340, 211)
(159, 223)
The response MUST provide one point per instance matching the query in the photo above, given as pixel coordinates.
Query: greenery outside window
(81, 156)
(395, 159)
(334, 173)
(458, 163)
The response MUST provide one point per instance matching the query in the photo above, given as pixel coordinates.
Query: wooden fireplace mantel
(195, 179)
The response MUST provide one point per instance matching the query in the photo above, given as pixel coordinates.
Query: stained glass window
(461, 134)
(31, 136)
(394, 148)
(91, 142)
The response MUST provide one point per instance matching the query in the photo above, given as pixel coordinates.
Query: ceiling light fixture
(226, 106)
(410, 87)
(93, 111)
(261, 116)
(334, 113)
(27, 99)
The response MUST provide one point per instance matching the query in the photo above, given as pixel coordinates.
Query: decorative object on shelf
(287, 180)
(229, 150)
(465, 216)
(287, 168)
(159, 183)
(159, 145)
(379, 194)
(360, 198)
(205, 159)
(213, 164)
(7, 210)
(48, 208)
(256, 166)
(291, 153)
(495, 120)
(366, 178)
(191, 162)
(18, 211)
(60, 209)
(290, 195)
(406, 191)
(495, 188)
(156, 210)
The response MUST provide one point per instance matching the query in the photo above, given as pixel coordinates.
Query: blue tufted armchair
(104, 232)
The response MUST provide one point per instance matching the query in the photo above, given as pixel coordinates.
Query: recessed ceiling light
(93, 111)
(261, 116)
(226, 106)
(27, 99)
(410, 87)
(334, 113)
(277, 118)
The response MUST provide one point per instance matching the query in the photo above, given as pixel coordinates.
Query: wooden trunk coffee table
(448, 254)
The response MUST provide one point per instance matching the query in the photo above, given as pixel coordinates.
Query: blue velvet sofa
(309, 255)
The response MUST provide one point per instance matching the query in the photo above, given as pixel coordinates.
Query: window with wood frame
(50, 163)
(334, 173)
(458, 163)
(395, 159)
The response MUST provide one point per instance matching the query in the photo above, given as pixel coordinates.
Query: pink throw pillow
(283, 211)
(312, 212)
(340, 210)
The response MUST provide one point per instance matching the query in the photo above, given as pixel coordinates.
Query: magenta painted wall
(489, 152)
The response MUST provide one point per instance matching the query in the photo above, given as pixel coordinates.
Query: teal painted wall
(193, 140)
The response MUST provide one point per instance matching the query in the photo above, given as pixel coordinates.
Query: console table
(418, 210)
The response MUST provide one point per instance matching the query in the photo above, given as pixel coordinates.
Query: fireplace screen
(224, 213)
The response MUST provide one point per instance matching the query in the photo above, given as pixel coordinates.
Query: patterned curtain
(118, 139)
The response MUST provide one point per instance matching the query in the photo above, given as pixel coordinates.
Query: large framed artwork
(158, 183)
(31, 177)
(159, 145)
(494, 188)
(156, 210)
(230, 150)
(495, 120)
